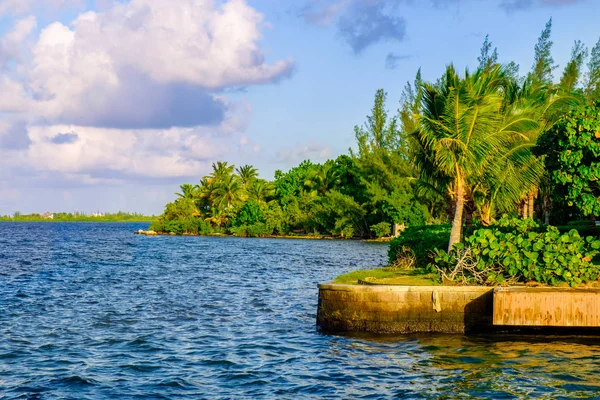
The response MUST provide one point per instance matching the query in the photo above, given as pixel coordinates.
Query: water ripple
(90, 311)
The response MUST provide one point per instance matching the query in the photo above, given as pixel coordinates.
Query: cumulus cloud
(64, 138)
(24, 6)
(11, 44)
(13, 136)
(135, 91)
(144, 64)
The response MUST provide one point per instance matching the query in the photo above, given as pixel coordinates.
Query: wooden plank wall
(547, 307)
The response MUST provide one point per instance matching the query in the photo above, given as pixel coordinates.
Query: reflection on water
(491, 366)
(90, 311)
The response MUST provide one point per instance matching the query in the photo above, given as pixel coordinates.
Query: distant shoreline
(90, 220)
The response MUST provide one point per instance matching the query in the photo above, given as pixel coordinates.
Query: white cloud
(23, 6)
(300, 152)
(143, 64)
(130, 92)
(11, 44)
(99, 154)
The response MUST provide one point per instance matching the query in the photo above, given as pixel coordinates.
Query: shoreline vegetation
(289, 236)
(78, 217)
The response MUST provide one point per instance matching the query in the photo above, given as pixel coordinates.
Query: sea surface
(91, 311)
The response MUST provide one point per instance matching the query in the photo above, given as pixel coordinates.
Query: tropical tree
(226, 192)
(572, 72)
(246, 173)
(260, 191)
(323, 178)
(543, 63)
(188, 191)
(592, 89)
(488, 58)
(463, 128)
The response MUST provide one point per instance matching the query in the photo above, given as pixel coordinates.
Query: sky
(110, 105)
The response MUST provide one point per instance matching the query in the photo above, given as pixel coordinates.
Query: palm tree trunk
(486, 212)
(530, 203)
(523, 208)
(547, 209)
(469, 209)
(451, 210)
(455, 233)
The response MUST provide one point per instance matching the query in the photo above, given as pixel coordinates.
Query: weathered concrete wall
(405, 309)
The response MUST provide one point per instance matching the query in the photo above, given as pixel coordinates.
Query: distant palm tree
(226, 192)
(188, 191)
(247, 173)
(221, 169)
(322, 179)
(260, 190)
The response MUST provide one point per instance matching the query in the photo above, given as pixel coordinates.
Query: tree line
(471, 145)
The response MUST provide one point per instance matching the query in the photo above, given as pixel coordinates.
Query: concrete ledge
(517, 306)
(405, 309)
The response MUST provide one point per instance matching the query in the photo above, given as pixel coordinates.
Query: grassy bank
(388, 276)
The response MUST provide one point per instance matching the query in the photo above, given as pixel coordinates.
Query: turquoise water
(91, 311)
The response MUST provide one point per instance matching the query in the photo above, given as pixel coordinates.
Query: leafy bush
(528, 252)
(255, 230)
(381, 229)
(572, 151)
(422, 240)
(174, 226)
(157, 225)
(249, 214)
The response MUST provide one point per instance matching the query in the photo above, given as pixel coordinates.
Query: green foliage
(422, 241)
(487, 59)
(382, 229)
(528, 252)
(592, 89)
(572, 72)
(249, 214)
(543, 63)
(257, 229)
(572, 149)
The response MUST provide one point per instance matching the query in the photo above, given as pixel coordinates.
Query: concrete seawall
(405, 309)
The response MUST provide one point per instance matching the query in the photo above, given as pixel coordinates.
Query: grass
(388, 276)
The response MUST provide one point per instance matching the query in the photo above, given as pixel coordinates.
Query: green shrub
(528, 252)
(257, 229)
(249, 214)
(381, 229)
(174, 226)
(422, 240)
(157, 225)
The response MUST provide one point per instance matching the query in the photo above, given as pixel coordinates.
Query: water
(93, 311)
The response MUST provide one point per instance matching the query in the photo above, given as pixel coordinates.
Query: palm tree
(260, 190)
(221, 169)
(322, 179)
(247, 173)
(462, 129)
(226, 192)
(188, 191)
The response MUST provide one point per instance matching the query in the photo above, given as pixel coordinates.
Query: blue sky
(111, 105)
